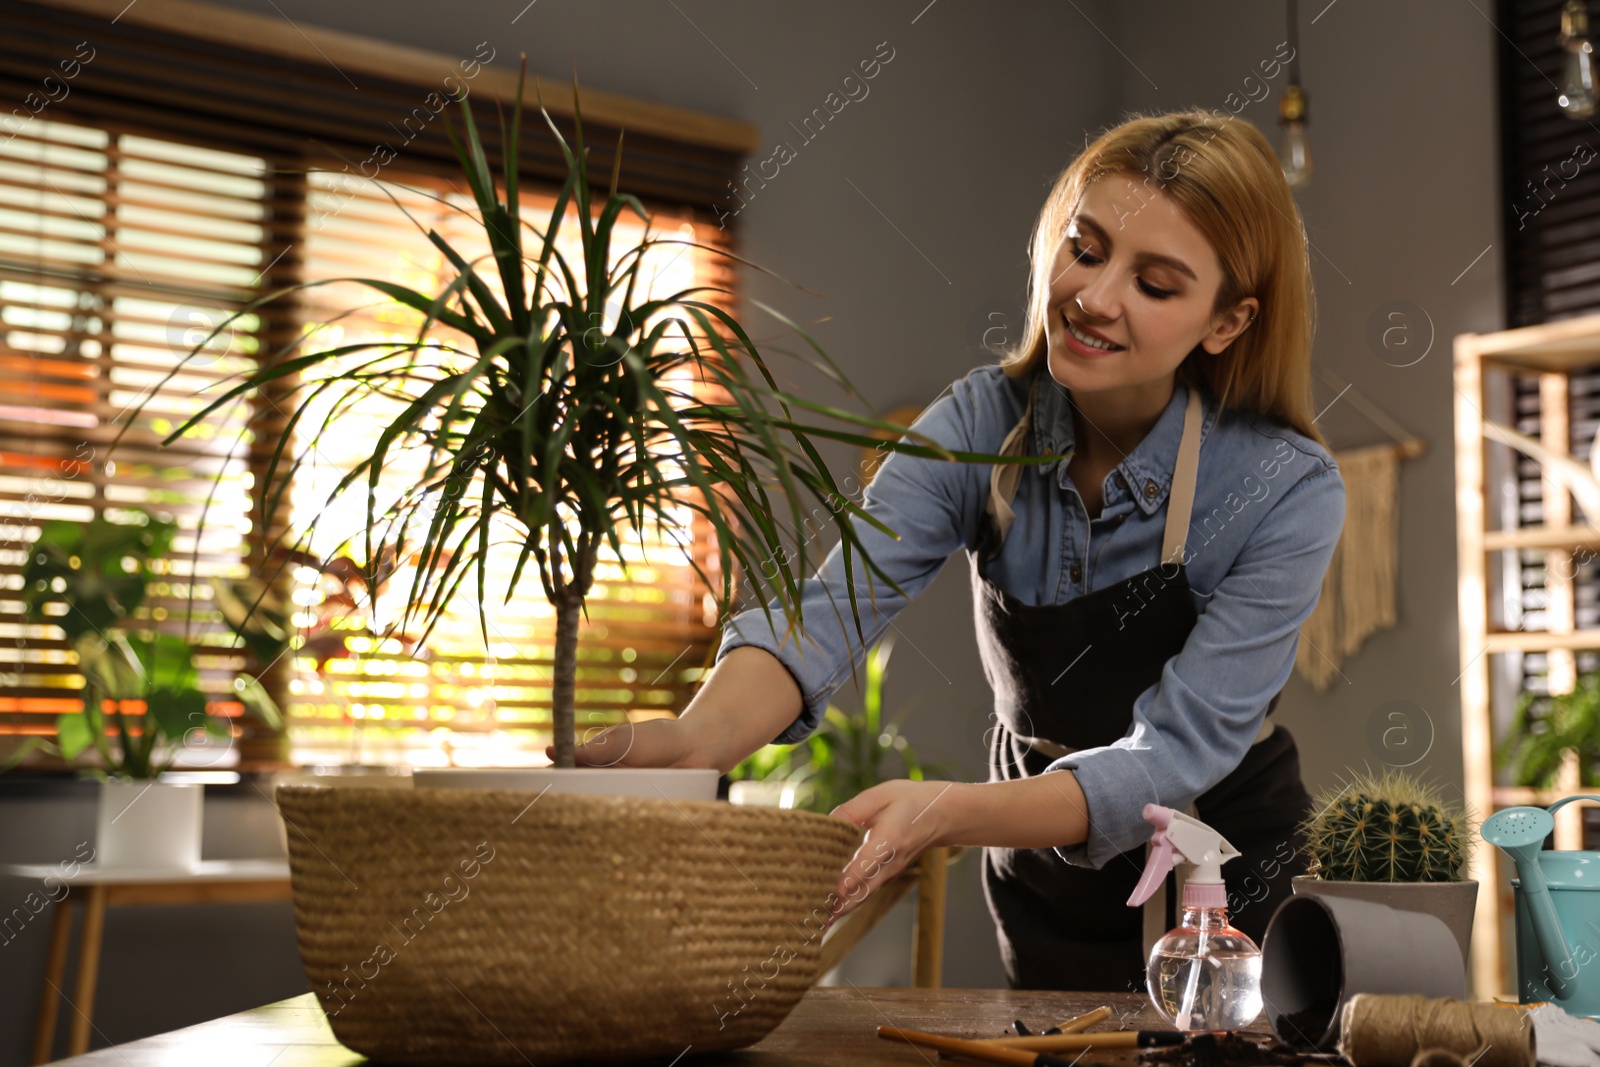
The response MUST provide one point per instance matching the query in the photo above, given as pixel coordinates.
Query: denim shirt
(1268, 508)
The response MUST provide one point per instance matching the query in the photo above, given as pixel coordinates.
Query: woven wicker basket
(487, 926)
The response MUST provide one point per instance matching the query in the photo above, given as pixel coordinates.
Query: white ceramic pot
(761, 794)
(673, 783)
(149, 824)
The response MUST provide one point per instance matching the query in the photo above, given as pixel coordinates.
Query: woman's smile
(1089, 343)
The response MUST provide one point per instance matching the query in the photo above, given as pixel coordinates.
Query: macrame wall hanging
(1359, 588)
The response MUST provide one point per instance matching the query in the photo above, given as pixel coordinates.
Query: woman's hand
(903, 818)
(651, 743)
(748, 699)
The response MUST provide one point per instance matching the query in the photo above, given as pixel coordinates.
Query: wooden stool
(930, 876)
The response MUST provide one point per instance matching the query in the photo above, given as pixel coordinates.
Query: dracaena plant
(573, 434)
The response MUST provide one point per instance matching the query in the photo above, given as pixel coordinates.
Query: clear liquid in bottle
(1205, 975)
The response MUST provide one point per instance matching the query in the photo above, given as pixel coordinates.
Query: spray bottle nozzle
(1203, 944)
(1180, 838)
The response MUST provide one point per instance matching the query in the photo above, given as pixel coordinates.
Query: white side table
(211, 882)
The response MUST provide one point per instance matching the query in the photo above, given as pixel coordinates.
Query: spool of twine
(1439, 1057)
(1394, 1031)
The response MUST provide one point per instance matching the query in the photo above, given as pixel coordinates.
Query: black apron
(1063, 926)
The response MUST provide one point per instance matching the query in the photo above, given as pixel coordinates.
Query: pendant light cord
(1294, 45)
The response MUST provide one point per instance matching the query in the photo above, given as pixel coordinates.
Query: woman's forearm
(1044, 811)
(748, 699)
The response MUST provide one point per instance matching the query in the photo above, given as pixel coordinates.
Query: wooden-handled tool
(1082, 1022)
(975, 1050)
(1079, 1042)
(996, 1051)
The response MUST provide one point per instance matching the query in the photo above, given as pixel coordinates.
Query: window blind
(172, 178)
(113, 247)
(212, 76)
(1550, 174)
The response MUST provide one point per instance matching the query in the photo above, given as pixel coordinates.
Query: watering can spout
(1560, 971)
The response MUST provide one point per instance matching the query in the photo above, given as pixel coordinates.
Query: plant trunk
(568, 611)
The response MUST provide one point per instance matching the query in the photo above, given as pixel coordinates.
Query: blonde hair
(1225, 177)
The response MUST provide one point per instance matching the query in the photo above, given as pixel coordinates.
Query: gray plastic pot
(1319, 951)
(1453, 902)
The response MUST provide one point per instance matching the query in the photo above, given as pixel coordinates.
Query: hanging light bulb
(1295, 154)
(1577, 97)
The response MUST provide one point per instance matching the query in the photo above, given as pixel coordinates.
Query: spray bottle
(1203, 975)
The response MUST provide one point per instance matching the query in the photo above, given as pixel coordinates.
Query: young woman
(1137, 600)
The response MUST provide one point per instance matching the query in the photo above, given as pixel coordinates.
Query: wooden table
(829, 1026)
(97, 888)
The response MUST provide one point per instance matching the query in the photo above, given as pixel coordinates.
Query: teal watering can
(1557, 910)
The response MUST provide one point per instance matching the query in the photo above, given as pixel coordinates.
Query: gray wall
(911, 212)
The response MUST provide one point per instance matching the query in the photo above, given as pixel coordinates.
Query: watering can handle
(1568, 800)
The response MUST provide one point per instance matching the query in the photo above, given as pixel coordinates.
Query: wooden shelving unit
(1550, 353)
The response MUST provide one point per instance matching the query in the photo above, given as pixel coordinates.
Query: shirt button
(1077, 573)
(1150, 490)
(1122, 483)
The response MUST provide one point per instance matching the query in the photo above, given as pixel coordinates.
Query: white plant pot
(149, 824)
(762, 794)
(673, 783)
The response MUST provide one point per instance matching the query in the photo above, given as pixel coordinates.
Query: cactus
(1387, 828)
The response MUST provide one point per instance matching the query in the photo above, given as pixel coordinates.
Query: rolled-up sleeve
(1194, 725)
(931, 504)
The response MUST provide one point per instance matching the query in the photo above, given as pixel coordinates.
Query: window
(364, 696)
(113, 249)
(175, 177)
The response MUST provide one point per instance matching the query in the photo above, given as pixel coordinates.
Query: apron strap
(1003, 478)
(1055, 750)
(1180, 501)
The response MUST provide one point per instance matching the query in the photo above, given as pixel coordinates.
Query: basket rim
(445, 797)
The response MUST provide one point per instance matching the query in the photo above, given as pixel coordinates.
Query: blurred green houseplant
(1545, 726)
(87, 577)
(90, 579)
(846, 753)
(576, 416)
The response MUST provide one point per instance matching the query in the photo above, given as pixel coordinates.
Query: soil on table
(1233, 1050)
